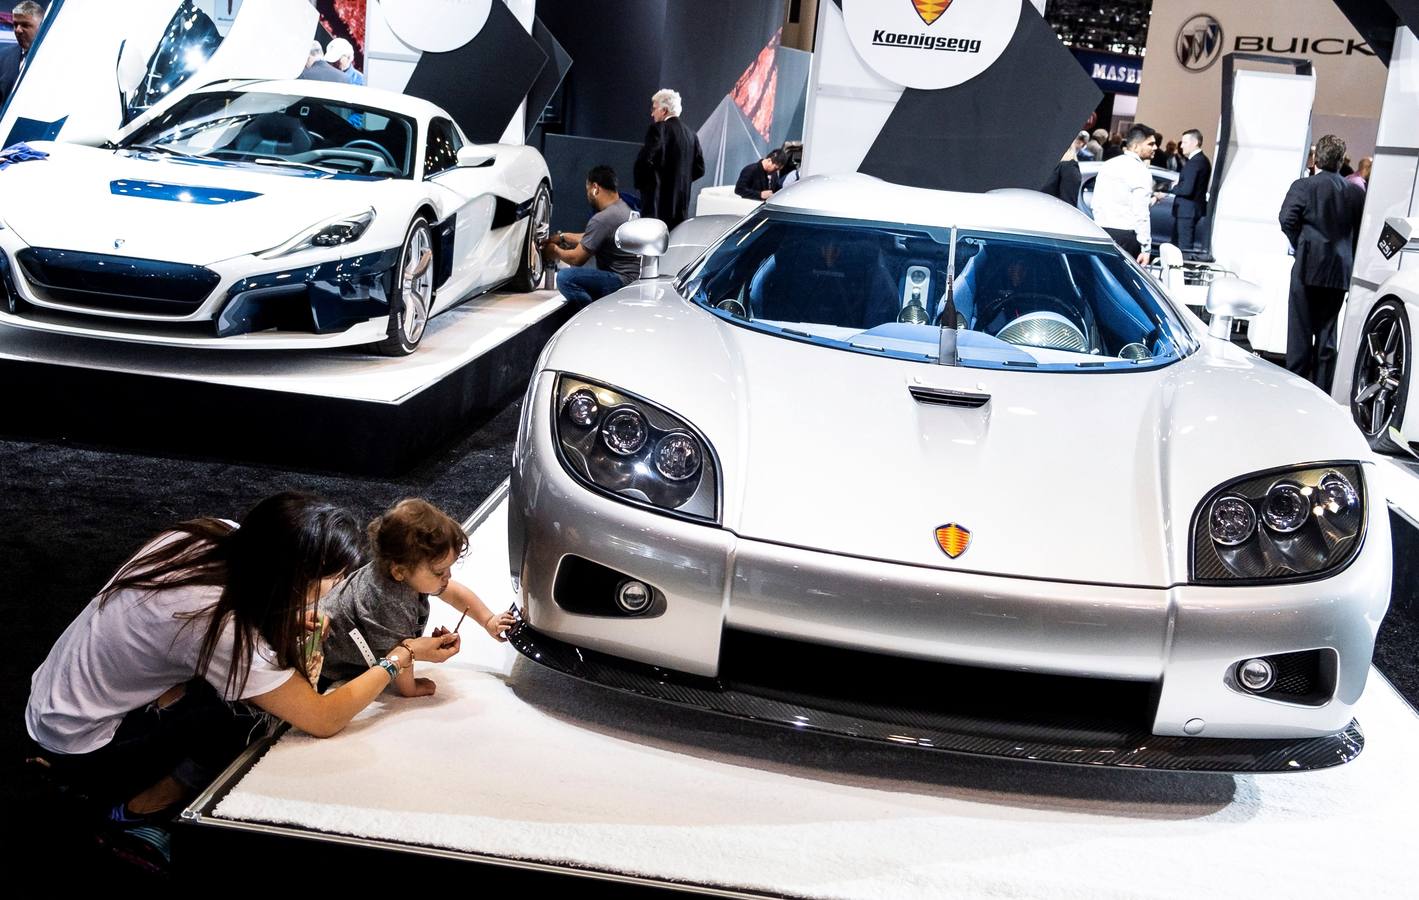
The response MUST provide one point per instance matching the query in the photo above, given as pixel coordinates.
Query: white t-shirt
(124, 655)
(1123, 194)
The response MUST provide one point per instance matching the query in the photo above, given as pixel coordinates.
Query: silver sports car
(949, 471)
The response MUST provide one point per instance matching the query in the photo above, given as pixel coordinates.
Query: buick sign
(1199, 43)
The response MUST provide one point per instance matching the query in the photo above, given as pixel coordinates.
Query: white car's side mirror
(1232, 298)
(472, 156)
(646, 238)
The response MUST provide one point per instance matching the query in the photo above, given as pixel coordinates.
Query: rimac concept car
(949, 471)
(269, 214)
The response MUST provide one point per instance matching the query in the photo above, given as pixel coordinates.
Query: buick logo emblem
(1199, 43)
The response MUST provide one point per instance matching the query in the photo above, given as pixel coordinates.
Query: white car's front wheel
(532, 266)
(1381, 382)
(412, 298)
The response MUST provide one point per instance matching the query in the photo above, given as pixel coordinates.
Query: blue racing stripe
(179, 193)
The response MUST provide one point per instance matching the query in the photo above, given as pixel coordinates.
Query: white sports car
(949, 471)
(269, 214)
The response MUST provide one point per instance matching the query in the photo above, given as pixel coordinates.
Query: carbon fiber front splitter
(1126, 748)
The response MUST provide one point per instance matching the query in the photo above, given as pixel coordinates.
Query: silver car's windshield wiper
(290, 163)
(156, 148)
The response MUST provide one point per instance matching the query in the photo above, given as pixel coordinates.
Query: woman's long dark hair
(266, 567)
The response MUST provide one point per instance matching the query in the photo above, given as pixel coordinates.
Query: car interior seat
(277, 134)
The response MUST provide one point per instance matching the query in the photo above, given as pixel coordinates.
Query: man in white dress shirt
(1123, 194)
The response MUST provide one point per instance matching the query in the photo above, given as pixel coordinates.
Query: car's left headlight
(330, 233)
(1281, 525)
(634, 450)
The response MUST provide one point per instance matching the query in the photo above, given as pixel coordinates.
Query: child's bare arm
(462, 598)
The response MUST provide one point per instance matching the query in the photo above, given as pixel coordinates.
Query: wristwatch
(390, 667)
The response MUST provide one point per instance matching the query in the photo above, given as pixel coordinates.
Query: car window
(442, 152)
(318, 137)
(1028, 302)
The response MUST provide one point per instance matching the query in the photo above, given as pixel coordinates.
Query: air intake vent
(943, 397)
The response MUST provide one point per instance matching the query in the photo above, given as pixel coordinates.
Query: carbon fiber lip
(1130, 749)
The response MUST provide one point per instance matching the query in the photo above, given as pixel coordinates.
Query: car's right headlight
(634, 450)
(330, 233)
(1284, 525)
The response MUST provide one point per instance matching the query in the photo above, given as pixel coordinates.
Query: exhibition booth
(891, 534)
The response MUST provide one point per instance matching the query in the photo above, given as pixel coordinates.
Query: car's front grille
(118, 283)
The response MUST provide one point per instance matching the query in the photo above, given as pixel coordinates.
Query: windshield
(303, 132)
(1019, 301)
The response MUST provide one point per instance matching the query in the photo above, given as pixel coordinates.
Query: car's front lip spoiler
(1136, 750)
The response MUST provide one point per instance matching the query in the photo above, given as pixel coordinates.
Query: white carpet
(512, 760)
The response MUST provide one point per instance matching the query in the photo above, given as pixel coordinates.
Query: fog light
(1256, 675)
(633, 597)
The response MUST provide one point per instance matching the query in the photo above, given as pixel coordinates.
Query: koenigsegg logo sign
(953, 539)
(961, 38)
(1199, 43)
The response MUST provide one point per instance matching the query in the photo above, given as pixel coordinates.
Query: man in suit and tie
(1190, 193)
(1321, 218)
(669, 162)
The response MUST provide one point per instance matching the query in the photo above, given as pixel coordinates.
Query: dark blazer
(1190, 193)
(10, 59)
(669, 163)
(320, 70)
(753, 181)
(1065, 182)
(1321, 218)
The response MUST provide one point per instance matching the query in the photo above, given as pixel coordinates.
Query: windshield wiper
(156, 148)
(291, 163)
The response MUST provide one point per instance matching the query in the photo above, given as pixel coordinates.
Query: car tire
(1380, 387)
(412, 293)
(532, 265)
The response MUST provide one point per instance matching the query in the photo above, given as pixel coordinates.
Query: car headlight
(634, 450)
(330, 233)
(1283, 525)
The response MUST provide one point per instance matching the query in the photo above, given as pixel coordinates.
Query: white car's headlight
(1281, 525)
(330, 233)
(634, 450)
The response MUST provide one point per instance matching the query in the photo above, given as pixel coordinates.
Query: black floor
(70, 514)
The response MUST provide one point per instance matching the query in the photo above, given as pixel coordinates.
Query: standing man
(1190, 193)
(1066, 180)
(27, 16)
(760, 180)
(615, 268)
(669, 162)
(340, 53)
(317, 69)
(1123, 194)
(1321, 217)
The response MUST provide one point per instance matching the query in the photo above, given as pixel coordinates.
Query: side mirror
(1232, 298)
(472, 156)
(646, 238)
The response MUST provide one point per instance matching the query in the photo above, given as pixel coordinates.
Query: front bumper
(1181, 642)
(318, 303)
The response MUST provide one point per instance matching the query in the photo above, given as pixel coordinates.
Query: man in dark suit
(760, 179)
(669, 162)
(1190, 193)
(1321, 218)
(27, 16)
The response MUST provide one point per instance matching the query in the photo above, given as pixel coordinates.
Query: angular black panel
(559, 62)
(1007, 127)
(482, 83)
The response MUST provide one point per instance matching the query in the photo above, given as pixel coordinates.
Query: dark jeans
(1310, 333)
(583, 284)
(192, 739)
(1126, 240)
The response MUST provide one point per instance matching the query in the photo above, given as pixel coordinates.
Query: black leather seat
(276, 134)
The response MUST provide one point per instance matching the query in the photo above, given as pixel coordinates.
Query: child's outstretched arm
(461, 598)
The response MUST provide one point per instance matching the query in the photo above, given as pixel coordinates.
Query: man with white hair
(27, 17)
(669, 162)
(340, 53)
(317, 69)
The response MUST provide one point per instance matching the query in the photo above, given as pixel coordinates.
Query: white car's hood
(156, 207)
(1077, 477)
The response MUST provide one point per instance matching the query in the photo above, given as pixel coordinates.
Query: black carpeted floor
(69, 515)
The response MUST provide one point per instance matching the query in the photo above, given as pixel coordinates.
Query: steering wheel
(366, 144)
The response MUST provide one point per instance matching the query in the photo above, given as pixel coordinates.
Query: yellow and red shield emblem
(953, 539)
(930, 10)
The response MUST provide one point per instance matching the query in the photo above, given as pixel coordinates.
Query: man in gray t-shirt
(614, 268)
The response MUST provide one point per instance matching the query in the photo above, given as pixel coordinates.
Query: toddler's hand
(498, 624)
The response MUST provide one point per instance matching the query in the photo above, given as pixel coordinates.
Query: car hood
(1076, 477)
(169, 208)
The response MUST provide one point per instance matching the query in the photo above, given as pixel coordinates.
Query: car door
(468, 210)
(100, 69)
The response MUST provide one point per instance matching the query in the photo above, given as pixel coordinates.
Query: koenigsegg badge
(929, 44)
(930, 10)
(953, 539)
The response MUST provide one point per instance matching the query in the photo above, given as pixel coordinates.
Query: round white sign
(930, 44)
(436, 26)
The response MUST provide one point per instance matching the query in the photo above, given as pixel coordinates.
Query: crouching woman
(181, 660)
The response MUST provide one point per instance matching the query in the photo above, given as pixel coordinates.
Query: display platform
(511, 765)
(289, 406)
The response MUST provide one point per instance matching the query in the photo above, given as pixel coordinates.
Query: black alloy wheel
(1381, 383)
